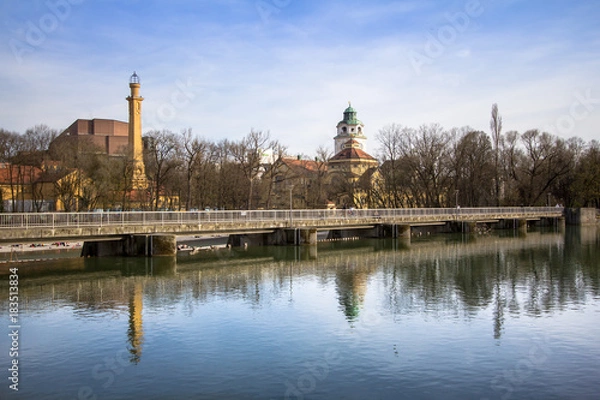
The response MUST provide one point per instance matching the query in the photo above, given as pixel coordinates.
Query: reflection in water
(351, 284)
(452, 319)
(498, 310)
(135, 332)
(133, 266)
(444, 275)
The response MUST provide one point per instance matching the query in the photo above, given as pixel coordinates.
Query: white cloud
(294, 75)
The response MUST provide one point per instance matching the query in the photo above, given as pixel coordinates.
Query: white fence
(163, 218)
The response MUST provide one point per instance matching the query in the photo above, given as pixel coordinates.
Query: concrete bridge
(301, 224)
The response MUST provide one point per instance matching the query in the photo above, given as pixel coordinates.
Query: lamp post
(291, 203)
(456, 197)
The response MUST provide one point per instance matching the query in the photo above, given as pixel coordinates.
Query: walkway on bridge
(36, 226)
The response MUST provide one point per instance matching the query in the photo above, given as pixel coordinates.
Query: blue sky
(223, 67)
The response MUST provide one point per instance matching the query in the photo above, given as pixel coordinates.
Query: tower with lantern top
(136, 150)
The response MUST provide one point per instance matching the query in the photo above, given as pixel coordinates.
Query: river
(497, 316)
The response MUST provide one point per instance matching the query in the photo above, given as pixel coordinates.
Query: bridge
(388, 222)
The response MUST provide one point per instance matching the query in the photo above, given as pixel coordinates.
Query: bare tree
(427, 154)
(545, 159)
(511, 157)
(247, 153)
(269, 174)
(397, 179)
(496, 128)
(162, 160)
(231, 184)
(473, 170)
(318, 195)
(585, 184)
(194, 152)
(39, 138)
(11, 144)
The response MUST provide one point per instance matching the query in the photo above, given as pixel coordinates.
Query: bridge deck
(97, 224)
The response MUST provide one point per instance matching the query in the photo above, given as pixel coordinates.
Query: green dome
(350, 116)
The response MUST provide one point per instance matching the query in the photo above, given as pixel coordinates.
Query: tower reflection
(135, 333)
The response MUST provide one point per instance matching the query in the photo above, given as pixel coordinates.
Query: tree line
(183, 171)
(427, 166)
(433, 167)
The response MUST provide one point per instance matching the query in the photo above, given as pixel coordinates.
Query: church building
(350, 163)
(350, 159)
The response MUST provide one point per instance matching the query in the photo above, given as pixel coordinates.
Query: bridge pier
(393, 231)
(308, 236)
(462, 226)
(131, 246)
(299, 236)
(279, 237)
(581, 216)
(402, 231)
(522, 225)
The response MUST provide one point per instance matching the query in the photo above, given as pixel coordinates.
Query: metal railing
(163, 218)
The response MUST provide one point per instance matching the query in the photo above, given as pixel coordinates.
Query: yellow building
(25, 188)
(298, 183)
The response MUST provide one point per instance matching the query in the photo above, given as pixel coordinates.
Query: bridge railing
(161, 218)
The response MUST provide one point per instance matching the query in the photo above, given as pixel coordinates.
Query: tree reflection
(537, 274)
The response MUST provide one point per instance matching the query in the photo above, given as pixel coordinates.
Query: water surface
(449, 317)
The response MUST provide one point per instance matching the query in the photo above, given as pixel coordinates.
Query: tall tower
(350, 159)
(135, 133)
(350, 128)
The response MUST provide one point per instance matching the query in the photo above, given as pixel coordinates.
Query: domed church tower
(350, 128)
(350, 159)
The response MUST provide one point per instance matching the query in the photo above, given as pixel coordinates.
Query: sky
(290, 67)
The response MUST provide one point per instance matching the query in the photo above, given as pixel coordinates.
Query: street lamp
(291, 203)
(456, 197)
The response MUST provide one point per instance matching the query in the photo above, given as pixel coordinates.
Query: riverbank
(42, 246)
(183, 243)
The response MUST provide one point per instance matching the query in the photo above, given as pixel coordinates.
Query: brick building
(107, 136)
